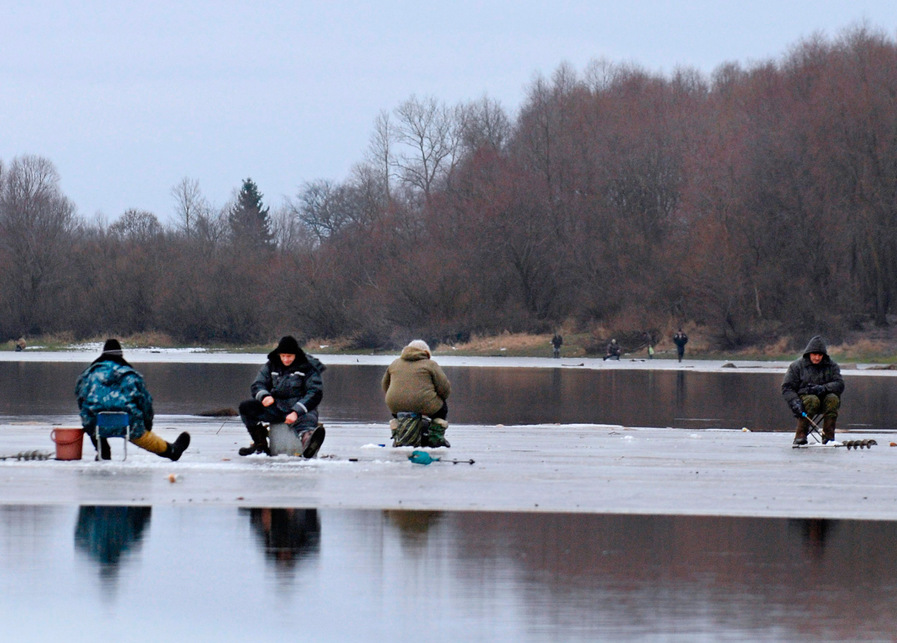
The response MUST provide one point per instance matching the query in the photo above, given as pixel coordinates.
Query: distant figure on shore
(287, 389)
(813, 384)
(680, 339)
(613, 350)
(416, 386)
(556, 342)
(20, 344)
(111, 384)
(649, 338)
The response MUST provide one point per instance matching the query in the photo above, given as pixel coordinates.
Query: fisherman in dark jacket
(288, 389)
(813, 384)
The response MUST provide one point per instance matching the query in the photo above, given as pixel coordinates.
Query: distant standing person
(813, 384)
(650, 340)
(556, 342)
(111, 384)
(415, 383)
(287, 389)
(680, 339)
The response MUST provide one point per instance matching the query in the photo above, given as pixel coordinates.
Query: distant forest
(755, 203)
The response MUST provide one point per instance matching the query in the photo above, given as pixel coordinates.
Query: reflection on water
(106, 533)
(481, 395)
(287, 535)
(229, 573)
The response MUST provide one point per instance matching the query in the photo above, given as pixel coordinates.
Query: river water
(664, 398)
(227, 573)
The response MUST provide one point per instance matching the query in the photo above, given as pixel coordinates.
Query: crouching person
(287, 390)
(110, 383)
(812, 385)
(416, 389)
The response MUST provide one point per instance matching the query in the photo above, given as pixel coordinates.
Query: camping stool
(113, 424)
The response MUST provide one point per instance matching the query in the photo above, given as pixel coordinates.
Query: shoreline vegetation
(878, 346)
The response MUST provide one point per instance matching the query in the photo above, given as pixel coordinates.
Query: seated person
(414, 383)
(287, 390)
(613, 350)
(813, 384)
(111, 384)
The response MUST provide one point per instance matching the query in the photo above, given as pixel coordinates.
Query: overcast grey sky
(128, 98)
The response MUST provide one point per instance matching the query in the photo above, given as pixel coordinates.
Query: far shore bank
(204, 356)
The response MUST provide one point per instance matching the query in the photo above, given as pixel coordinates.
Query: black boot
(828, 429)
(176, 448)
(103, 453)
(800, 435)
(259, 435)
(312, 441)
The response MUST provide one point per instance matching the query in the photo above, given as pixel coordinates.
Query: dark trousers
(253, 413)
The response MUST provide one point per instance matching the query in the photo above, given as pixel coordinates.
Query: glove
(817, 390)
(797, 407)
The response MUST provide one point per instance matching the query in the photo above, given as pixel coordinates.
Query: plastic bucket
(68, 443)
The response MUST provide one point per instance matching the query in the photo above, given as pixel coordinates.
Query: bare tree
(36, 221)
(431, 133)
(138, 226)
(380, 152)
(191, 207)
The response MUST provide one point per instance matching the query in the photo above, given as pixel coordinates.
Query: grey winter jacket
(298, 387)
(802, 373)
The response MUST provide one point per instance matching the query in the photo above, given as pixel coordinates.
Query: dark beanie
(112, 353)
(112, 346)
(287, 344)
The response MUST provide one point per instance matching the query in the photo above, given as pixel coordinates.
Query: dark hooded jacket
(298, 387)
(803, 373)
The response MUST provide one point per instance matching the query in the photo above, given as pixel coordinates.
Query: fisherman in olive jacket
(812, 385)
(414, 383)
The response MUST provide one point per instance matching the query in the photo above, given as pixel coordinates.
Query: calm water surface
(229, 574)
(481, 395)
(221, 574)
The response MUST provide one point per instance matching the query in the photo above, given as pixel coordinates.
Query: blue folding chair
(113, 424)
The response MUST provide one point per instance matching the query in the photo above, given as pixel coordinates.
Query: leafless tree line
(756, 202)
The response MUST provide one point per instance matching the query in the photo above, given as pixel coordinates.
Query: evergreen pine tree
(248, 218)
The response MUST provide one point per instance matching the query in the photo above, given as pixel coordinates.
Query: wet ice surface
(534, 468)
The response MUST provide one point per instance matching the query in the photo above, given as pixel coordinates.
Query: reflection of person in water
(289, 535)
(106, 533)
(815, 532)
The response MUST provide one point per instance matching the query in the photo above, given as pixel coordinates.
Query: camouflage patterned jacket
(110, 386)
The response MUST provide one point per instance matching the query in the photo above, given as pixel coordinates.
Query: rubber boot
(312, 440)
(259, 435)
(828, 429)
(393, 429)
(103, 453)
(438, 427)
(151, 442)
(800, 435)
(176, 448)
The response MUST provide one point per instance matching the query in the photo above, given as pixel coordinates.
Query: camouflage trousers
(828, 406)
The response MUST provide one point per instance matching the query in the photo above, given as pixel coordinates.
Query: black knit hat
(112, 353)
(112, 346)
(289, 345)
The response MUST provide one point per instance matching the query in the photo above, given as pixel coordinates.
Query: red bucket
(68, 443)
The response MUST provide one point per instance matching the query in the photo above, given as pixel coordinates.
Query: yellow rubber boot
(152, 443)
